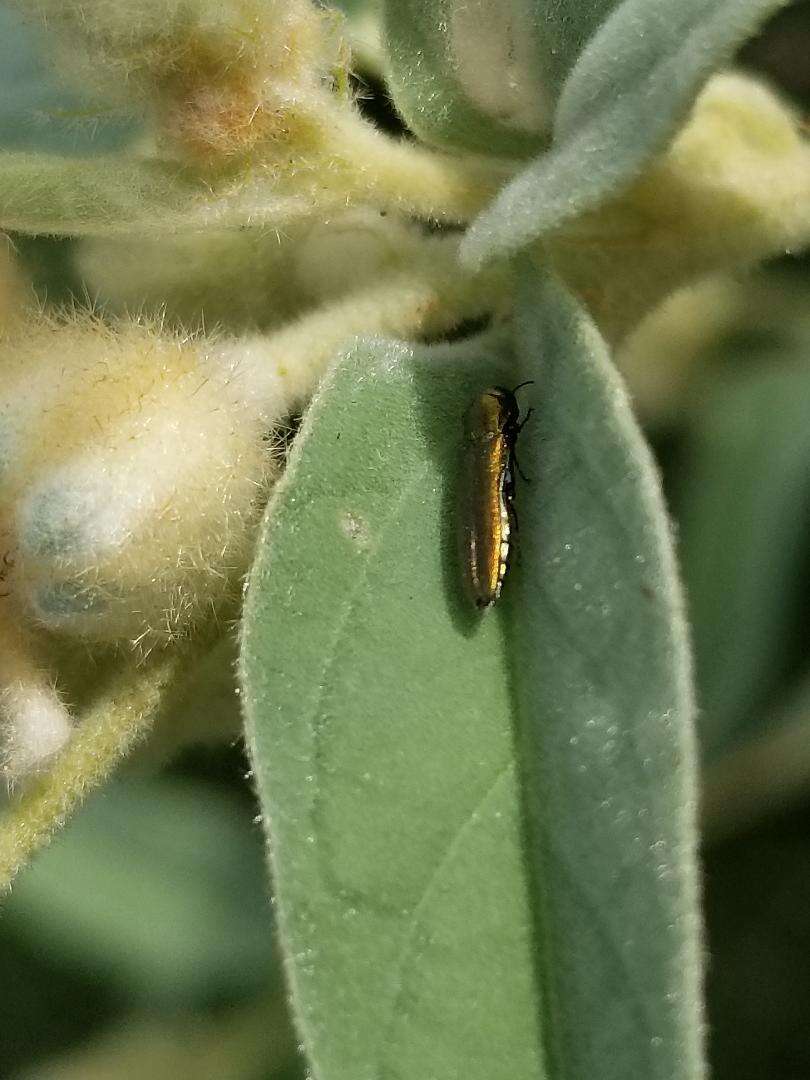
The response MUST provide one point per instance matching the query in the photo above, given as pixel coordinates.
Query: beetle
(487, 515)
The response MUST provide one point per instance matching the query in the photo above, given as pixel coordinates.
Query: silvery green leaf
(630, 89)
(481, 828)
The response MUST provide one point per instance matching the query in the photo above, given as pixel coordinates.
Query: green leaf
(481, 827)
(743, 534)
(382, 745)
(159, 885)
(485, 75)
(625, 98)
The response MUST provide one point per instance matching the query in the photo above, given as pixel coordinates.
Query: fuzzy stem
(280, 372)
(347, 163)
(396, 174)
(114, 194)
(119, 719)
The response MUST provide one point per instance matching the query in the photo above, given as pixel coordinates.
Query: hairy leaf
(480, 826)
(603, 700)
(466, 74)
(484, 74)
(381, 740)
(625, 98)
(742, 163)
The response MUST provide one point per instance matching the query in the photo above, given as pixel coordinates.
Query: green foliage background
(141, 943)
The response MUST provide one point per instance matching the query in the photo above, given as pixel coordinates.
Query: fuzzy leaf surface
(604, 710)
(625, 98)
(480, 827)
(380, 736)
(485, 75)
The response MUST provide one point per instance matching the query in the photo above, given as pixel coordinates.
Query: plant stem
(399, 175)
(281, 371)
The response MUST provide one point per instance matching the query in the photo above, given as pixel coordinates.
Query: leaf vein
(406, 950)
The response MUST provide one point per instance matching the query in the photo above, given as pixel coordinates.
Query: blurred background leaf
(738, 467)
(743, 540)
(178, 911)
(249, 1042)
(151, 909)
(40, 111)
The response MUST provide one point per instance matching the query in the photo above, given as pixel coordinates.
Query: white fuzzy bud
(132, 472)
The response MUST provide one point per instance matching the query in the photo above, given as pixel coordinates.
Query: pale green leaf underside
(426, 85)
(427, 934)
(743, 530)
(625, 98)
